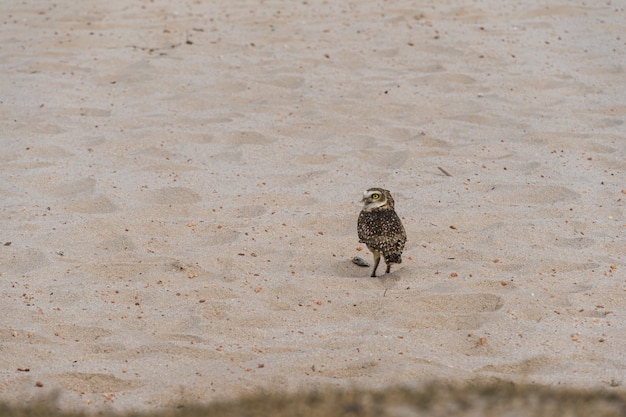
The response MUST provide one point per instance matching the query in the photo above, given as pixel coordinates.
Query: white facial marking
(370, 203)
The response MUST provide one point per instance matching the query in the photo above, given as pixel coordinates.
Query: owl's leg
(388, 268)
(376, 262)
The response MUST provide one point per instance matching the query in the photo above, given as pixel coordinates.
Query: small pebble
(359, 261)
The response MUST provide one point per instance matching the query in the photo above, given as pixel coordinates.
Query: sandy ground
(181, 183)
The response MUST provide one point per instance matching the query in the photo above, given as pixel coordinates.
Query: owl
(380, 228)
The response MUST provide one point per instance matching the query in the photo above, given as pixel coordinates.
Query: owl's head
(375, 198)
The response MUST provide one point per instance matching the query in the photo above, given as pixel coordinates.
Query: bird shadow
(348, 269)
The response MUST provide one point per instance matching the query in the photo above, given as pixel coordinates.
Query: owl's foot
(376, 262)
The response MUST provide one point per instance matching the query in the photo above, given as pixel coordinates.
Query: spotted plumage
(380, 228)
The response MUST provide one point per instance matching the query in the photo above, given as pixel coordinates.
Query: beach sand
(181, 184)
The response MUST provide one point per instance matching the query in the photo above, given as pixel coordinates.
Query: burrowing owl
(380, 228)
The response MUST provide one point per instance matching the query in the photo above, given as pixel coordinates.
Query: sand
(181, 183)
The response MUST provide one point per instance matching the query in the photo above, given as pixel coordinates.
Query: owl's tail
(393, 258)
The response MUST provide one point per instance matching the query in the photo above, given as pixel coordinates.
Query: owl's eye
(375, 196)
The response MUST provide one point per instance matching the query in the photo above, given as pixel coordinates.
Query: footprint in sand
(531, 194)
(437, 312)
(93, 382)
(247, 138)
(460, 303)
(96, 205)
(453, 311)
(19, 261)
(172, 195)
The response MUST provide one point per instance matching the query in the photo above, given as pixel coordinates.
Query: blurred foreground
(496, 399)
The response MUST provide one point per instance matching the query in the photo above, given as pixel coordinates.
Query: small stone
(357, 260)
